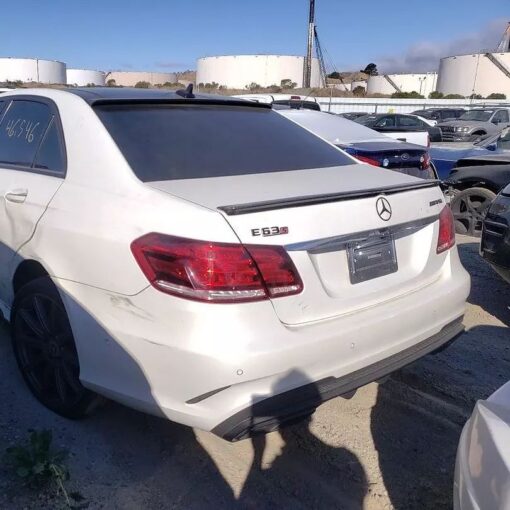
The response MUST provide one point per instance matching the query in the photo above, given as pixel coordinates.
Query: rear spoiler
(283, 203)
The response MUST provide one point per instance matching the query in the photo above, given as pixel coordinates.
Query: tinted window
(385, 122)
(478, 115)
(409, 122)
(21, 130)
(501, 116)
(50, 155)
(164, 142)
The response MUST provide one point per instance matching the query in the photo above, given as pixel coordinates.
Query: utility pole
(307, 66)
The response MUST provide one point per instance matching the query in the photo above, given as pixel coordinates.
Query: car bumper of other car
(495, 242)
(213, 366)
(449, 134)
(482, 470)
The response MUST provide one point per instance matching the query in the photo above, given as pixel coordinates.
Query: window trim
(55, 117)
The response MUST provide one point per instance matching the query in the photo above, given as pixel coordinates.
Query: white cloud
(424, 56)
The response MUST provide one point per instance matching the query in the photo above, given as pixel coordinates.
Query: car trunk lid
(326, 218)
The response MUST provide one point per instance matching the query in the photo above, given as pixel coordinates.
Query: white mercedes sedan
(207, 260)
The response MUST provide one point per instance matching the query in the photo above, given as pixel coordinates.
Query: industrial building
(240, 71)
(423, 83)
(32, 70)
(84, 77)
(481, 73)
(131, 78)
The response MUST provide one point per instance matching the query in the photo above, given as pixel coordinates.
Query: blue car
(445, 156)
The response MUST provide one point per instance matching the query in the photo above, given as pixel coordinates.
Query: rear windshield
(167, 142)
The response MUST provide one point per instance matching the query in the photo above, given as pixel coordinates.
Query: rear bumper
(269, 414)
(200, 364)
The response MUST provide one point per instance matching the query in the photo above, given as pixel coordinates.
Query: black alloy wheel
(469, 208)
(44, 347)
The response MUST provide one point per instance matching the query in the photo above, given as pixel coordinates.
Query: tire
(476, 136)
(469, 208)
(45, 350)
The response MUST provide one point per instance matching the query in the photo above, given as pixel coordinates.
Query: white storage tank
(478, 73)
(423, 83)
(84, 77)
(131, 78)
(240, 71)
(33, 70)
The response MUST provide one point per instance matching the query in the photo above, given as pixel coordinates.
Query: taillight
(365, 159)
(446, 238)
(425, 161)
(216, 272)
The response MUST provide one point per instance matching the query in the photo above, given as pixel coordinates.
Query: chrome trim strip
(337, 243)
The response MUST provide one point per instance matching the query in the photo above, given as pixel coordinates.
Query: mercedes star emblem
(383, 208)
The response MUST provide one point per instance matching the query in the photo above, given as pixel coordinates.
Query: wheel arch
(476, 183)
(27, 271)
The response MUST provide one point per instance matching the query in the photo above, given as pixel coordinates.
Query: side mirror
(492, 146)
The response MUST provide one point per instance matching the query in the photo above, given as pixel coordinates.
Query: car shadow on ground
(121, 458)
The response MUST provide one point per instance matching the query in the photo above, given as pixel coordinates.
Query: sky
(168, 35)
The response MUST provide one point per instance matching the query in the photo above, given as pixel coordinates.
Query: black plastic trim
(236, 209)
(272, 412)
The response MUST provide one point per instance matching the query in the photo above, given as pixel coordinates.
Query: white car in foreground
(482, 471)
(207, 260)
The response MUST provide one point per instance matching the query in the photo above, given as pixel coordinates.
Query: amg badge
(269, 231)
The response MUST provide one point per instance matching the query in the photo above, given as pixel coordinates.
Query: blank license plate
(371, 258)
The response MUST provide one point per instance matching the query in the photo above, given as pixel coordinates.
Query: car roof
(333, 128)
(104, 95)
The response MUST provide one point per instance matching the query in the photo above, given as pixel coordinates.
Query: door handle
(17, 196)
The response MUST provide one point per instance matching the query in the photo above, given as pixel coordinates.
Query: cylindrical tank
(478, 73)
(423, 83)
(32, 70)
(84, 77)
(131, 78)
(240, 71)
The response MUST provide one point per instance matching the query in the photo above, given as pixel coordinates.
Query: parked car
(408, 127)
(205, 259)
(440, 114)
(495, 243)
(446, 155)
(291, 100)
(352, 115)
(474, 124)
(473, 185)
(482, 469)
(365, 144)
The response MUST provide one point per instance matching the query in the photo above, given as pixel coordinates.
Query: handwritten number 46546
(21, 128)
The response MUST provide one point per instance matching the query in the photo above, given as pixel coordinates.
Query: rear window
(167, 142)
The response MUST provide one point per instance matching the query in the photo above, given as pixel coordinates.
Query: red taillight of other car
(446, 238)
(216, 272)
(368, 160)
(425, 162)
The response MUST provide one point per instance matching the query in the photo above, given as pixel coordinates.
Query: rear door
(32, 168)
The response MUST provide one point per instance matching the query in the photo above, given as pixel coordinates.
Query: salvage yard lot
(392, 445)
